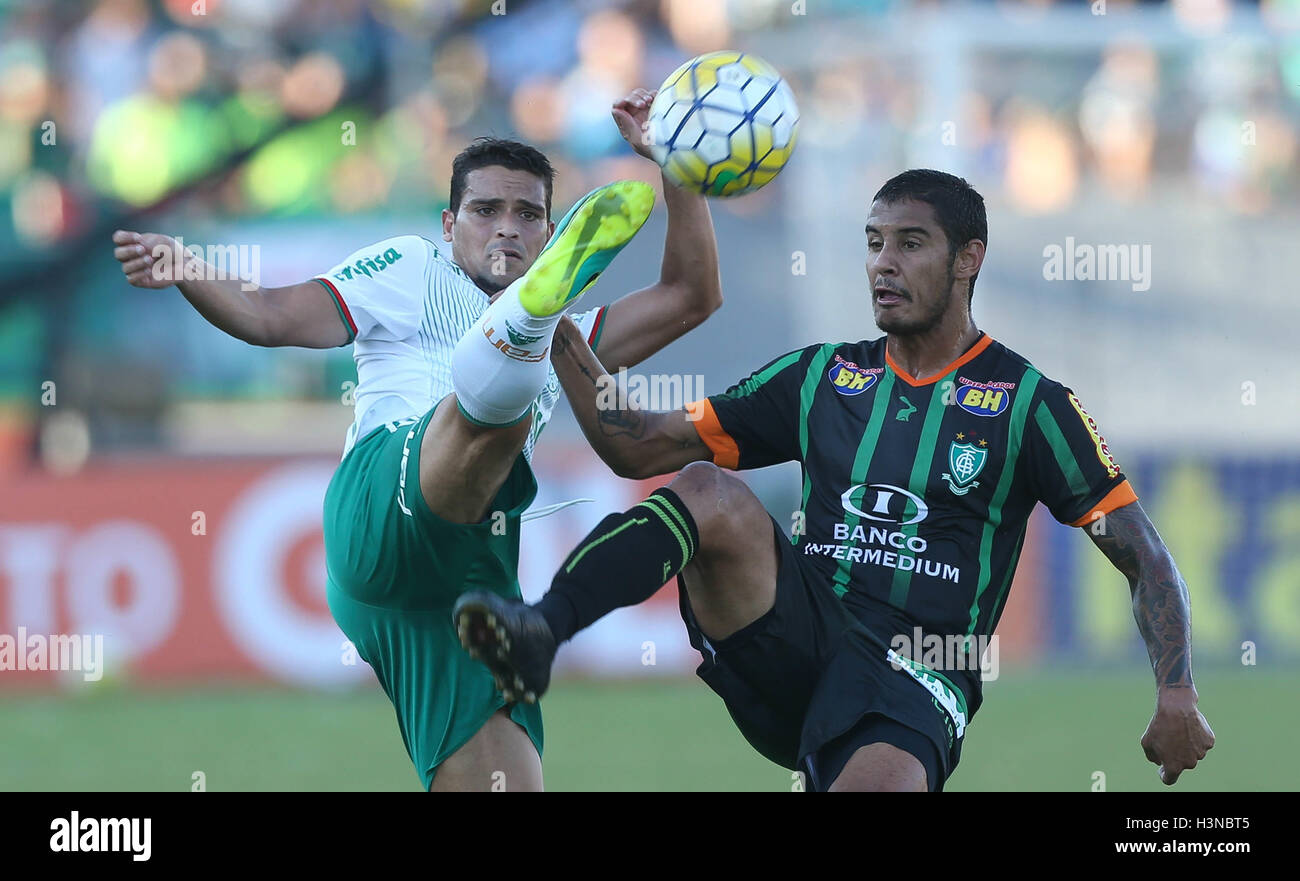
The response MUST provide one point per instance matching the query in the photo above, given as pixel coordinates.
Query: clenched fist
(631, 114)
(1178, 736)
(149, 260)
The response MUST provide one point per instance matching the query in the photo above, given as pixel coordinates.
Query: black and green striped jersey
(917, 493)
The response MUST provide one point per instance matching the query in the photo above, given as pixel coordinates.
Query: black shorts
(808, 682)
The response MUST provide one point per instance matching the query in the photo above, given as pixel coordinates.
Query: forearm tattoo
(1160, 600)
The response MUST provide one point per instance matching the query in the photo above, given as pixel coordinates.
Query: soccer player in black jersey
(923, 454)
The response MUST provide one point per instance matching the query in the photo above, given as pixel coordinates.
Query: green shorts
(394, 571)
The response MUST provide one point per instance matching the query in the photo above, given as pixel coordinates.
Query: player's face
(500, 227)
(908, 266)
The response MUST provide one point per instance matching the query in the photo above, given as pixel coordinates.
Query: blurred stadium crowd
(117, 112)
(312, 128)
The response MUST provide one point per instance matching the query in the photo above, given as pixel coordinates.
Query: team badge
(850, 379)
(966, 462)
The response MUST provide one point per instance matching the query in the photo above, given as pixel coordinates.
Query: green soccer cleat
(585, 242)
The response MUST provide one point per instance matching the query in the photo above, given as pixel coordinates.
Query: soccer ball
(723, 124)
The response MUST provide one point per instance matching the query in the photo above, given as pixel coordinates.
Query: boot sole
(590, 237)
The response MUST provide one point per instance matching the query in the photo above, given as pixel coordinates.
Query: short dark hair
(957, 206)
(486, 151)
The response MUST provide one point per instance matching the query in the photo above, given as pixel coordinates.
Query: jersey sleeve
(1071, 468)
(380, 290)
(591, 323)
(754, 423)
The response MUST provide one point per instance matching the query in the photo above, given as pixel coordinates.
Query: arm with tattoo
(1160, 602)
(1178, 736)
(633, 442)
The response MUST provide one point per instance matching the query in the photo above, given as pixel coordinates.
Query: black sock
(622, 562)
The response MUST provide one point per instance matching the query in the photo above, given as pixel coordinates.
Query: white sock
(501, 364)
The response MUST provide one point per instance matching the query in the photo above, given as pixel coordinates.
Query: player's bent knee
(454, 425)
(725, 510)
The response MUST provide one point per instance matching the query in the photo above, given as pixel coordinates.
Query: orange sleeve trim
(1117, 498)
(725, 452)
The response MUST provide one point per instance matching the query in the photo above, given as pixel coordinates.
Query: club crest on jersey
(966, 461)
(849, 379)
(983, 398)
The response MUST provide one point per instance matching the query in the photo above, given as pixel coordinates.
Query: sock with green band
(622, 562)
(500, 365)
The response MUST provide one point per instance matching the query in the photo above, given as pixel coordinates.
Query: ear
(550, 229)
(448, 220)
(968, 260)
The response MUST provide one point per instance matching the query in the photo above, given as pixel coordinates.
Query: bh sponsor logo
(849, 379)
(983, 398)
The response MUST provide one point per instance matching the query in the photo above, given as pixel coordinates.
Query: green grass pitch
(1036, 731)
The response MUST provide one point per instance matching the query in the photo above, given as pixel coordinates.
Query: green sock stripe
(672, 527)
(679, 519)
(577, 558)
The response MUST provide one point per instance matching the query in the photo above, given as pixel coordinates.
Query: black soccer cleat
(511, 638)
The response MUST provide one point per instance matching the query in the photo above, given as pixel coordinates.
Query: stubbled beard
(490, 284)
(923, 324)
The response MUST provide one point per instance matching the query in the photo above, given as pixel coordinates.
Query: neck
(924, 354)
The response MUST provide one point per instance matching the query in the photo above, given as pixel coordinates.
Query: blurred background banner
(215, 570)
(161, 483)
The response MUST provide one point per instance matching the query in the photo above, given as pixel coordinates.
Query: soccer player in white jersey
(452, 343)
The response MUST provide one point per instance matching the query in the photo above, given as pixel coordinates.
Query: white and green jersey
(406, 305)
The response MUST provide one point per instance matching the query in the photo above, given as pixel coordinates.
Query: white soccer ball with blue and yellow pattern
(723, 124)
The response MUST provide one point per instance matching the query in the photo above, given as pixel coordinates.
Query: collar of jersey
(971, 354)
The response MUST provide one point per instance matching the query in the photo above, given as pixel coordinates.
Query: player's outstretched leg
(441, 538)
(500, 365)
(705, 519)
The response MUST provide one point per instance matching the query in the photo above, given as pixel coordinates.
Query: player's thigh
(881, 767)
(463, 465)
(864, 697)
(500, 757)
(769, 669)
(447, 706)
(731, 580)
(387, 548)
